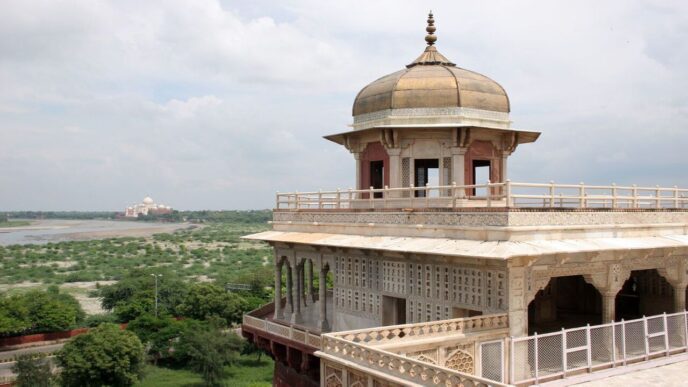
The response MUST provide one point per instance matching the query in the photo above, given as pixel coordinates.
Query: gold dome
(432, 81)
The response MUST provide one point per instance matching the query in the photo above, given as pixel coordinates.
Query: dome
(147, 200)
(431, 81)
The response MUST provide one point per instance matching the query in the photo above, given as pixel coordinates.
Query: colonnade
(300, 291)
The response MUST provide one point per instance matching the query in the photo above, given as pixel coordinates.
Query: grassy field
(247, 372)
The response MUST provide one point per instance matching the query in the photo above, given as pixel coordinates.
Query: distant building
(147, 207)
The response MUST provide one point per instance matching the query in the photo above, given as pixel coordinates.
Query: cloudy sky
(207, 104)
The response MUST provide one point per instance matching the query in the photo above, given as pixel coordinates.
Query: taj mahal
(436, 269)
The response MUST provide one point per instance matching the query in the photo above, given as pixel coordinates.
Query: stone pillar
(518, 308)
(290, 291)
(458, 167)
(302, 289)
(323, 324)
(311, 287)
(296, 317)
(394, 167)
(679, 298)
(357, 156)
(278, 292)
(608, 306)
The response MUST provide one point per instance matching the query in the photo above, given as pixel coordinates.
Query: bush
(32, 371)
(206, 300)
(208, 350)
(105, 356)
(39, 311)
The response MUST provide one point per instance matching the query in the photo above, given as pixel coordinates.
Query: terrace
(507, 194)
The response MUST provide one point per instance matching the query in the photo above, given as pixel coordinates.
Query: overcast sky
(206, 104)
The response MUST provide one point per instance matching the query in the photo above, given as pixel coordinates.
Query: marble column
(458, 168)
(311, 287)
(323, 324)
(679, 297)
(290, 285)
(608, 306)
(278, 292)
(296, 317)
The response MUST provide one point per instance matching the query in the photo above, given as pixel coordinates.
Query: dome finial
(430, 37)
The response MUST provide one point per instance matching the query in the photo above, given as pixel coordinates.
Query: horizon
(219, 104)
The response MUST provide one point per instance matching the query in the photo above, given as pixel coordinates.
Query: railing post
(320, 203)
(507, 192)
(647, 340)
(412, 195)
(658, 197)
(339, 199)
(588, 350)
(537, 362)
(634, 192)
(296, 199)
(551, 193)
(666, 334)
(427, 195)
(564, 361)
(623, 340)
(277, 200)
(613, 343)
(488, 194)
(676, 197)
(512, 358)
(453, 193)
(384, 197)
(351, 197)
(614, 201)
(581, 194)
(371, 203)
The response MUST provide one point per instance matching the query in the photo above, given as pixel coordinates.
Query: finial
(430, 37)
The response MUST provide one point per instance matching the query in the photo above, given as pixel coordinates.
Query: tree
(105, 356)
(39, 311)
(32, 371)
(134, 295)
(14, 315)
(206, 300)
(207, 351)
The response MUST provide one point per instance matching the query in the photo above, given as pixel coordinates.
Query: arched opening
(645, 293)
(566, 302)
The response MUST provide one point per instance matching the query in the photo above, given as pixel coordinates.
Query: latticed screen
(405, 174)
(447, 173)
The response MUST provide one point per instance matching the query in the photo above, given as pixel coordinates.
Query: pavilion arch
(644, 293)
(565, 302)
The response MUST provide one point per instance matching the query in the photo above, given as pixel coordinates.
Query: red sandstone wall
(40, 337)
(374, 151)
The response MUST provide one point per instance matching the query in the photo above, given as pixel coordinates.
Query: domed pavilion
(431, 119)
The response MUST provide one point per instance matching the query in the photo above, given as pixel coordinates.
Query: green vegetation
(105, 356)
(246, 372)
(39, 311)
(32, 371)
(213, 252)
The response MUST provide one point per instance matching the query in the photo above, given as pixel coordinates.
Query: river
(58, 230)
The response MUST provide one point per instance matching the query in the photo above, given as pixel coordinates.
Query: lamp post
(156, 276)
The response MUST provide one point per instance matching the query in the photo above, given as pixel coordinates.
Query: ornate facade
(399, 282)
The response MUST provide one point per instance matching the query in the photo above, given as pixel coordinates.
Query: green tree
(206, 300)
(32, 371)
(53, 311)
(208, 350)
(14, 315)
(105, 356)
(134, 295)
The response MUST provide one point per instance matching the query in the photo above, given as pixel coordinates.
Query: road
(6, 367)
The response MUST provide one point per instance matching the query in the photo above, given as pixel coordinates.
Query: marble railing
(400, 367)
(504, 194)
(400, 333)
(287, 332)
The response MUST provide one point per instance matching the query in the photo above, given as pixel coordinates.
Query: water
(57, 230)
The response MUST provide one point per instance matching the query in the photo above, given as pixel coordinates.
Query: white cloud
(209, 104)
